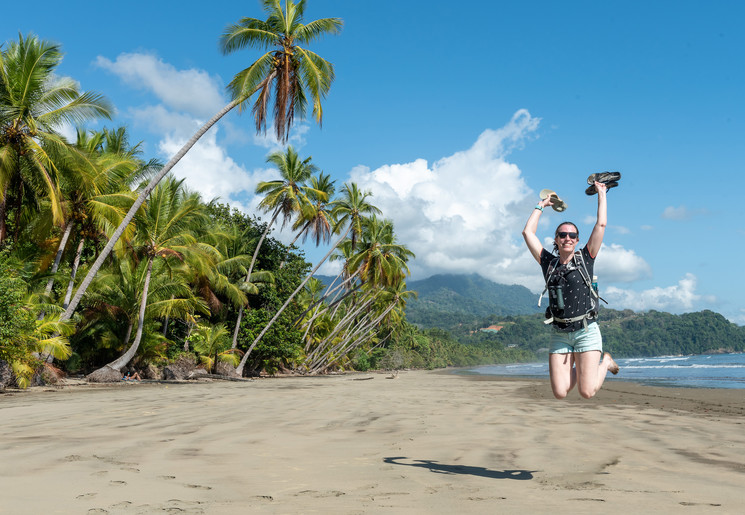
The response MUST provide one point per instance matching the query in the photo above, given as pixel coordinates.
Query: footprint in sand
(199, 487)
(118, 483)
(89, 495)
(315, 493)
(166, 477)
(266, 498)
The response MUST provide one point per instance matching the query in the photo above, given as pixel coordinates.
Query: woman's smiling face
(567, 237)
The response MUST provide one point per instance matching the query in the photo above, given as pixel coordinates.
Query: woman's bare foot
(612, 366)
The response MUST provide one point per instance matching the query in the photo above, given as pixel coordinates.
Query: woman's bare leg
(591, 372)
(563, 374)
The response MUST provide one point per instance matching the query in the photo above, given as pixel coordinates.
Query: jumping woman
(576, 344)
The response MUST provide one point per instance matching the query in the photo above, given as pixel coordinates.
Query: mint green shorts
(584, 340)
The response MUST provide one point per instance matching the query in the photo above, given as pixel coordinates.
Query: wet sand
(425, 442)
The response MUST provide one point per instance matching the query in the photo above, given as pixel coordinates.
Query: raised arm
(596, 238)
(531, 226)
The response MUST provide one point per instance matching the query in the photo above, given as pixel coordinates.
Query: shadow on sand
(442, 468)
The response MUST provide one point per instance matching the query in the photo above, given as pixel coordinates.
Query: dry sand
(425, 442)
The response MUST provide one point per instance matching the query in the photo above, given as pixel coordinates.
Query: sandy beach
(425, 442)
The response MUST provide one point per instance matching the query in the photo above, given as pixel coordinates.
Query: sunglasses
(562, 234)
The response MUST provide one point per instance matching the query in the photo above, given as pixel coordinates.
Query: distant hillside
(450, 300)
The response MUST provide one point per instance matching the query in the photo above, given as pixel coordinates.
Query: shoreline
(714, 401)
(425, 442)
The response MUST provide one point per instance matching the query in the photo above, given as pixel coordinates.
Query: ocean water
(700, 371)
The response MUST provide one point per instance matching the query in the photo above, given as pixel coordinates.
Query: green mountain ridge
(448, 300)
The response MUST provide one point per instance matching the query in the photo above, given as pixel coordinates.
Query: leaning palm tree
(288, 72)
(34, 104)
(284, 197)
(352, 208)
(164, 232)
(302, 68)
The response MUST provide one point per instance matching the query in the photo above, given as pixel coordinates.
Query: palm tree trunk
(297, 237)
(356, 343)
(75, 265)
(18, 208)
(130, 326)
(237, 327)
(348, 318)
(317, 361)
(58, 257)
(121, 362)
(3, 211)
(239, 369)
(136, 206)
(343, 323)
(165, 323)
(337, 302)
(325, 296)
(248, 275)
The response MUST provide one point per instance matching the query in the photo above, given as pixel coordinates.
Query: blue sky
(455, 115)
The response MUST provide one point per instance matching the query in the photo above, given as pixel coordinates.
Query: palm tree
(352, 208)
(287, 195)
(165, 232)
(365, 329)
(103, 197)
(93, 186)
(34, 103)
(287, 71)
(284, 196)
(113, 306)
(317, 76)
(212, 343)
(315, 215)
(381, 260)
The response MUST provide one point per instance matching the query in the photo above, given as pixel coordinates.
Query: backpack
(581, 267)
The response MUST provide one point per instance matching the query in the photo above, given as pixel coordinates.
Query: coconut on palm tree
(287, 73)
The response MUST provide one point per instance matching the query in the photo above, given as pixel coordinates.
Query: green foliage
(280, 348)
(212, 344)
(17, 324)
(627, 333)
(437, 348)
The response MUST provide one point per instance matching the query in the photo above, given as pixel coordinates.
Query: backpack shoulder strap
(551, 268)
(586, 275)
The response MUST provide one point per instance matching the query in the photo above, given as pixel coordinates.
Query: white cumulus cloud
(463, 213)
(618, 264)
(676, 298)
(191, 91)
(184, 100)
(208, 169)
